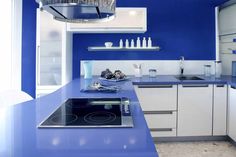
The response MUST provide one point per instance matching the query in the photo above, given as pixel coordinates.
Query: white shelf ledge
(156, 48)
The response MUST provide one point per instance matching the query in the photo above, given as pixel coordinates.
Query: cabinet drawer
(162, 120)
(163, 133)
(157, 97)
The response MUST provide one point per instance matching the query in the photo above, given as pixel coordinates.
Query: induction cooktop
(90, 112)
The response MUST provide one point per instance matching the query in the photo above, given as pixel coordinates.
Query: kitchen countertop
(20, 137)
(170, 79)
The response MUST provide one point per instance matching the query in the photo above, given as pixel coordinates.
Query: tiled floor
(196, 149)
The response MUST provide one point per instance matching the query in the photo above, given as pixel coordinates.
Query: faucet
(181, 65)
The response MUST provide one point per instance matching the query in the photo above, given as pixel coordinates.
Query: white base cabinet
(157, 97)
(220, 110)
(159, 103)
(195, 110)
(232, 113)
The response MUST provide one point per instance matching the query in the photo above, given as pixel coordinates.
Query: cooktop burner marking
(100, 117)
(64, 119)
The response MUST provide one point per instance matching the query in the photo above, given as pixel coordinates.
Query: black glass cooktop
(91, 112)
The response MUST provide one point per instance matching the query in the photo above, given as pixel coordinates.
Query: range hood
(80, 10)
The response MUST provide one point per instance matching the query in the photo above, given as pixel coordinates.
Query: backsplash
(163, 67)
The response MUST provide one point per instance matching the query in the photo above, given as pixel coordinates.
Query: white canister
(138, 72)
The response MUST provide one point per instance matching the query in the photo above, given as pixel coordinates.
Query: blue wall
(180, 27)
(29, 46)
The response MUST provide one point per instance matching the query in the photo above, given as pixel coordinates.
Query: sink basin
(181, 78)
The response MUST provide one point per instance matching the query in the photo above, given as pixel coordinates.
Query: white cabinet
(232, 113)
(127, 20)
(227, 22)
(53, 54)
(159, 103)
(195, 110)
(157, 97)
(220, 110)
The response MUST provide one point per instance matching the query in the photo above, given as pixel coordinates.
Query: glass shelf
(155, 48)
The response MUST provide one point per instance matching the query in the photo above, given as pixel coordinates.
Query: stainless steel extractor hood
(80, 10)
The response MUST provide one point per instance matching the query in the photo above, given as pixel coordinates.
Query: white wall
(163, 67)
(10, 45)
(5, 46)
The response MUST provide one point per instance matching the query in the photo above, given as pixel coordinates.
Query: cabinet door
(157, 97)
(232, 113)
(195, 110)
(227, 23)
(49, 50)
(220, 110)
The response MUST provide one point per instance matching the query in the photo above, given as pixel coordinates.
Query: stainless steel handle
(233, 87)
(158, 112)
(195, 85)
(155, 86)
(161, 129)
(220, 85)
(38, 65)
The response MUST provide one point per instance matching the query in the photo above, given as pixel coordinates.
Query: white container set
(131, 44)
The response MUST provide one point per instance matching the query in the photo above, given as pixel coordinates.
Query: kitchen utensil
(137, 70)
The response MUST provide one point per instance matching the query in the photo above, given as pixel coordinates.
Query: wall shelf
(156, 48)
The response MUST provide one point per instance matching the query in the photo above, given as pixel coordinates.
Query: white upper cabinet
(227, 22)
(53, 54)
(127, 20)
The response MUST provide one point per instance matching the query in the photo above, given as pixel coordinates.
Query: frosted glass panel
(50, 50)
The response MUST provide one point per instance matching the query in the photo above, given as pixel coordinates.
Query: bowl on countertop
(108, 44)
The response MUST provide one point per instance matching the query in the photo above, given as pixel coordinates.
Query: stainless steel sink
(182, 78)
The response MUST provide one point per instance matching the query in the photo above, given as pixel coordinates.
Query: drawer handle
(161, 129)
(195, 85)
(233, 87)
(155, 86)
(158, 112)
(220, 85)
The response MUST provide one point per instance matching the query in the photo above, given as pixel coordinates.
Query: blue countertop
(20, 137)
(170, 79)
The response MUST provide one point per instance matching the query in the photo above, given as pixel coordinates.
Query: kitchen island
(20, 136)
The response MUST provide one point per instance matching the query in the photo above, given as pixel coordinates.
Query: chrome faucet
(181, 65)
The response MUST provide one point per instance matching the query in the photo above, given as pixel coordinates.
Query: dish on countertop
(114, 79)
